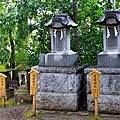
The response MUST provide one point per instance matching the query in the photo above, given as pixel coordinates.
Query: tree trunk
(75, 10)
(12, 55)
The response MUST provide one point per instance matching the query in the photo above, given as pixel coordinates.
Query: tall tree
(23, 35)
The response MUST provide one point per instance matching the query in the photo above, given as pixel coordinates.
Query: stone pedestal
(61, 59)
(109, 59)
(59, 88)
(109, 101)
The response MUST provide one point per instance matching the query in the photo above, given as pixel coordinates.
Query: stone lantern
(110, 57)
(61, 54)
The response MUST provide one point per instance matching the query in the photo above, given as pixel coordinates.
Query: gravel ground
(13, 113)
(17, 113)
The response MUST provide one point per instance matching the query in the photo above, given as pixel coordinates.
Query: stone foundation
(59, 88)
(109, 59)
(109, 101)
(106, 103)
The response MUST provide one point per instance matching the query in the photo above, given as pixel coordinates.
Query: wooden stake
(3, 101)
(34, 105)
(96, 109)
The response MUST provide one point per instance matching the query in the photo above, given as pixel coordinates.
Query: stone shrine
(111, 37)
(59, 82)
(108, 65)
(61, 54)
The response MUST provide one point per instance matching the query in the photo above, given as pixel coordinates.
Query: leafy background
(23, 35)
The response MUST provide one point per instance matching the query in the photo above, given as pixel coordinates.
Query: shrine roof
(64, 19)
(111, 17)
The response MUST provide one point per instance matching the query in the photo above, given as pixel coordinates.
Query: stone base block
(26, 97)
(106, 104)
(57, 101)
(109, 59)
(59, 88)
(61, 59)
(109, 101)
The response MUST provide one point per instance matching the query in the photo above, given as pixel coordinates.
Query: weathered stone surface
(59, 88)
(109, 101)
(106, 103)
(109, 84)
(103, 70)
(59, 82)
(51, 82)
(57, 101)
(67, 70)
(74, 83)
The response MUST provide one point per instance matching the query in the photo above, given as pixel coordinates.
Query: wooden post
(34, 105)
(3, 101)
(34, 87)
(96, 109)
(95, 88)
(3, 88)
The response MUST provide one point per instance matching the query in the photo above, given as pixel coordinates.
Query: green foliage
(28, 114)
(4, 68)
(87, 38)
(23, 35)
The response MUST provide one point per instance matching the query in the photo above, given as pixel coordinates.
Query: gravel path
(13, 113)
(17, 113)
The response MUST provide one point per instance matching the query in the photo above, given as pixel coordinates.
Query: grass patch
(29, 114)
(8, 103)
(93, 118)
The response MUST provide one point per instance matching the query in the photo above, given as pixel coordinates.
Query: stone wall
(109, 101)
(59, 88)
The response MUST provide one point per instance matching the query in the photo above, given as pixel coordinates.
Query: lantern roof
(62, 20)
(111, 17)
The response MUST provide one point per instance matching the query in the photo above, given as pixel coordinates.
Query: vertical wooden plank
(34, 105)
(96, 109)
(3, 101)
